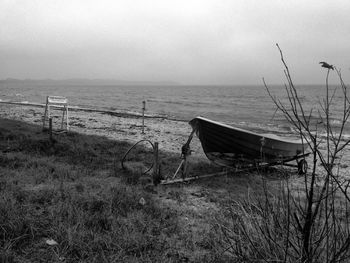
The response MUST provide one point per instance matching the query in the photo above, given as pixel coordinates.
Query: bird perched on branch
(326, 65)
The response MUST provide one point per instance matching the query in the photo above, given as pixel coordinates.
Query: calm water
(245, 106)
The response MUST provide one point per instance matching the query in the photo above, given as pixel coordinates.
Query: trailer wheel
(302, 167)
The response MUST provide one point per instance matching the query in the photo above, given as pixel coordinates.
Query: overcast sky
(187, 41)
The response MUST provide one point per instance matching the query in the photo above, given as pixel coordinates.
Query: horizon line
(113, 81)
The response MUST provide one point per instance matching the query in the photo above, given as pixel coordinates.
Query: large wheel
(302, 167)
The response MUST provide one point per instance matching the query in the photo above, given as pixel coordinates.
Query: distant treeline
(77, 81)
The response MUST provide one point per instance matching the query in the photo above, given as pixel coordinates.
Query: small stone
(51, 242)
(142, 201)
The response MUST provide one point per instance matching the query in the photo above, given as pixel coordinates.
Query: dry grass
(74, 192)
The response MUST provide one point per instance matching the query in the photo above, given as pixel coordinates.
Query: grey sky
(188, 41)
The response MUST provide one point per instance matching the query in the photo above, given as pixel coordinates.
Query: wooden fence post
(50, 129)
(156, 163)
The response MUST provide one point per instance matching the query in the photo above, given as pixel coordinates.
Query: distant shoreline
(110, 112)
(117, 82)
(77, 81)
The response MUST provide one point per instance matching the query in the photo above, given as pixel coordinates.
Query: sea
(245, 106)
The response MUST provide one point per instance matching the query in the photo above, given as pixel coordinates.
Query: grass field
(68, 200)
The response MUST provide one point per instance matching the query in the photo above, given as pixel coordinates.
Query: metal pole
(178, 169)
(67, 119)
(45, 113)
(184, 168)
(143, 116)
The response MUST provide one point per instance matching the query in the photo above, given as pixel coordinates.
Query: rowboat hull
(228, 145)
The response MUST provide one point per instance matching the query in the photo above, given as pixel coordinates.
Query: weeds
(63, 192)
(309, 223)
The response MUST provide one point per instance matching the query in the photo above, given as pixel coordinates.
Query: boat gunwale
(268, 136)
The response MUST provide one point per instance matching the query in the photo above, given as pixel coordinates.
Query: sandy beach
(170, 134)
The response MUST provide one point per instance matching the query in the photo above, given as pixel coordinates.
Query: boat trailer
(181, 173)
(243, 164)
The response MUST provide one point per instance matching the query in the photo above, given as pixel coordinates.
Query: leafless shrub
(310, 224)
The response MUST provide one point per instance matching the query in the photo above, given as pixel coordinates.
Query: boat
(239, 149)
(230, 146)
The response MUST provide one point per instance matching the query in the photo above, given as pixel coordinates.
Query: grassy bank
(70, 201)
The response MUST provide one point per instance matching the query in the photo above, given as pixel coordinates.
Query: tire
(302, 167)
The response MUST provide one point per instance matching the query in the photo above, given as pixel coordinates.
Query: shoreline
(125, 114)
(170, 134)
